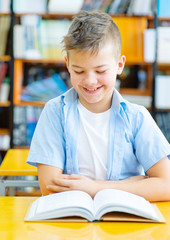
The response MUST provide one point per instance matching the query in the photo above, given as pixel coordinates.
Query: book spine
(5, 88)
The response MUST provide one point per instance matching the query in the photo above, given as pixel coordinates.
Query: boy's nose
(90, 79)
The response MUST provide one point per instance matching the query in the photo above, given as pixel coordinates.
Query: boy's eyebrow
(103, 65)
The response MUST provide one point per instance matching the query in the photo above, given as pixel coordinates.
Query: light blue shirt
(135, 141)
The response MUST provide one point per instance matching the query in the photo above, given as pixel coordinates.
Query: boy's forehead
(105, 47)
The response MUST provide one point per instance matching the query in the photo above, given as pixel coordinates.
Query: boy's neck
(97, 108)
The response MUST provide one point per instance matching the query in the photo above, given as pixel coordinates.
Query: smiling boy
(90, 138)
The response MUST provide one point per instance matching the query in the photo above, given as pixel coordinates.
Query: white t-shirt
(93, 143)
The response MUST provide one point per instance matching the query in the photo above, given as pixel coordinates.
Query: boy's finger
(73, 176)
(54, 188)
(61, 182)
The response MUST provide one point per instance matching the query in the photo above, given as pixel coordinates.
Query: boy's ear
(66, 61)
(121, 64)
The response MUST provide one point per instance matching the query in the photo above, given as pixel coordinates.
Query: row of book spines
(25, 120)
(110, 6)
(49, 41)
(136, 7)
(40, 41)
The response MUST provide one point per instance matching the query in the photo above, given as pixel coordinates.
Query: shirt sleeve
(48, 143)
(150, 143)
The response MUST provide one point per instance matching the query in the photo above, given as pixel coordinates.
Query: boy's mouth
(91, 90)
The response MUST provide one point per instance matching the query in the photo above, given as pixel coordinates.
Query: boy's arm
(46, 174)
(155, 187)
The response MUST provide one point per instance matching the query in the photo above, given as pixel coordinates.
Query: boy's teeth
(90, 89)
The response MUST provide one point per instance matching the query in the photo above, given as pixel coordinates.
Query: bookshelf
(132, 47)
(5, 73)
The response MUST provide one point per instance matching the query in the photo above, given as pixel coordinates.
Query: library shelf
(5, 104)
(5, 58)
(29, 103)
(58, 62)
(5, 13)
(4, 131)
(47, 15)
(133, 91)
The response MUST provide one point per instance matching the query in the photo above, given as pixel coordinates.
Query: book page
(62, 204)
(109, 200)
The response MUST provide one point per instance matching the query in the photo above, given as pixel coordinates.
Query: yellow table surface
(14, 164)
(12, 226)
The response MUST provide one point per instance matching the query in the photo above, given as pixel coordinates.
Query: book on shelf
(25, 120)
(107, 205)
(44, 90)
(3, 71)
(149, 41)
(115, 5)
(163, 34)
(4, 142)
(65, 6)
(5, 22)
(5, 6)
(50, 40)
(5, 89)
(162, 87)
(30, 6)
(26, 39)
(32, 116)
(37, 38)
(105, 5)
(163, 8)
(138, 7)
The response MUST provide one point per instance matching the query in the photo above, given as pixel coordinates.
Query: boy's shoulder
(68, 97)
(126, 106)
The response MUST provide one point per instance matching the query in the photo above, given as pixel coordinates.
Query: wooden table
(12, 226)
(14, 165)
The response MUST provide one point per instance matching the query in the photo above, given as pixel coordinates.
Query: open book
(107, 205)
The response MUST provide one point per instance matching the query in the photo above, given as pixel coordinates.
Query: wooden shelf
(160, 110)
(62, 62)
(47, 15)
(21, 147)
(69, 16)
(4, 131)
(5, 14)
(5, 104)
(33, 104)
(133, 91)
(45, 60)
(166, 64)
(5, 58)
(164, 18)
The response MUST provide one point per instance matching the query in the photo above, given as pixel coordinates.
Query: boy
(90, 138)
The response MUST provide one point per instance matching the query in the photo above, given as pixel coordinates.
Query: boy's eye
(78, 72)
(100, 72)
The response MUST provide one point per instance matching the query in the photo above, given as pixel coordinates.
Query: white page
(124, 201)
(67, 199)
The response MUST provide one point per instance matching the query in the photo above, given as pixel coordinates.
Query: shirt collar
(117, 100)
(70, 96)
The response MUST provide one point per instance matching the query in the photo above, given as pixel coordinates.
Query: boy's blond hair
(90, 30)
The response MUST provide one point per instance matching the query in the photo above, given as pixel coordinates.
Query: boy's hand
(74, 182)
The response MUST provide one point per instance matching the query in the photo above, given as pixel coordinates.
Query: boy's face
(94, 75)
